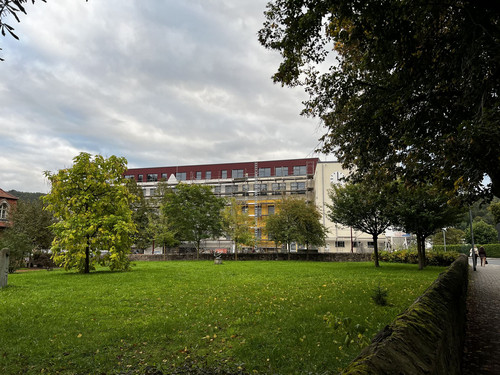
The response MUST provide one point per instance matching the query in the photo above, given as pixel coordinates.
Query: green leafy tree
(412, 87)
(362, 206)
(422, 210)
(454, 236)
(310, 229)
(296, 221)
(237, 225)
(91, 205)
(193, 212)
(30, 231)
(494, 208)
(162, 231)
(141, 211)
(484, 233)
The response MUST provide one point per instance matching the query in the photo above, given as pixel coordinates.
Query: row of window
(299, 170)
(354, 244)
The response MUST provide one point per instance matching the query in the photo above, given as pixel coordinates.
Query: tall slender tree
(364, 207)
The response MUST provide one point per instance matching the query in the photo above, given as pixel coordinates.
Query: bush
(492, 249)
(442, 259)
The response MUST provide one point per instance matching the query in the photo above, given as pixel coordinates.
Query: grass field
(239, 317)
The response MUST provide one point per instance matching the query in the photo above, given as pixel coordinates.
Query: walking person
(482, 255)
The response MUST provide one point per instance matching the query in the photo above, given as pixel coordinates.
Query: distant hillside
(26, 197)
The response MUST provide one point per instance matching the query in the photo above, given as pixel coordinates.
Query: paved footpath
(482, 341)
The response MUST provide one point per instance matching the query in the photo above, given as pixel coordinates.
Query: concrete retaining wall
(318, 257)
(427, 338)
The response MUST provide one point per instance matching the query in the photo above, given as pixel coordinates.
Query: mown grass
(255, 317)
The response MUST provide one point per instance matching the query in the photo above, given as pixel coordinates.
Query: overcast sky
(159, 82)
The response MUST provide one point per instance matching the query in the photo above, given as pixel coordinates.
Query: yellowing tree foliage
(93, 217)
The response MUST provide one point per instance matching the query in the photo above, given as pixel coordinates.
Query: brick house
(7, 203)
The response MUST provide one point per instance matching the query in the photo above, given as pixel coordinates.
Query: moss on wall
(428, 337)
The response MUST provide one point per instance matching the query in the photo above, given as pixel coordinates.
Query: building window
(356, 244)
(299, 170)
(180, 176)
(260, 189)
(270, 210)
(223, 174)
(281, 171)
(371, 244)
(278, 188)
(237, 173)
(339, 243)
(258, 211)
(208, 175)
(140, 178)
(164, 176)
(244, 209)
(4, 207)
(298, 187)
(152, 192)
(230, 189)
(258, 233)
(217, 189)
(152, 177)
(245, 188)
(264, 172)
(198, 175)
(129, 177)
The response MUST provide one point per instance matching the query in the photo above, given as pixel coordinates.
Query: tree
(494, 208)
(29, 232)
(237, 225)
(484, 233)
(453, 236)
(140, 216)
(362, 206)
(296, 221)
(422, 210)
(193, 212)
(409, 86)
(91, 205)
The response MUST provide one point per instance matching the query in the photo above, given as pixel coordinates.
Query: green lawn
(255, 317)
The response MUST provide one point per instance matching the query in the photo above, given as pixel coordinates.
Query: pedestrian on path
(482, 255)
(474, 253)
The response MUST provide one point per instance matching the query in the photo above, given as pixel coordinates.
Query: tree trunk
(375, 250)
(198, 250)
(87, 257)
(420, 252)
(235, 251)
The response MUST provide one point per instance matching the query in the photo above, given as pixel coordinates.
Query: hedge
(492, 249)
(433, 258)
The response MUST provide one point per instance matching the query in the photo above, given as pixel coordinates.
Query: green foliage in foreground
(255, 317)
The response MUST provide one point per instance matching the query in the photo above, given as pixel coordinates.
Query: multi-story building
(259, 186)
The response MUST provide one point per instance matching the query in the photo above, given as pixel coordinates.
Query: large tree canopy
(412, 86)
(91, 205)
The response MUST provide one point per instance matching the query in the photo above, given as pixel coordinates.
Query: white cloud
(161, 83)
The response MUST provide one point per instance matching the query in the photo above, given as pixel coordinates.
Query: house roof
(4, 194)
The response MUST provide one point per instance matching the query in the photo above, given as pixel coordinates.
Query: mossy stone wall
(427, 338)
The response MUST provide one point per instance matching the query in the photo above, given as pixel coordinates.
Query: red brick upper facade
(7, 203)
(274, 168)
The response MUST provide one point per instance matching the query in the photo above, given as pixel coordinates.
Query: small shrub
(379, 296)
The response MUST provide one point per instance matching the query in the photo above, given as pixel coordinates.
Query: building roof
(4, 194)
